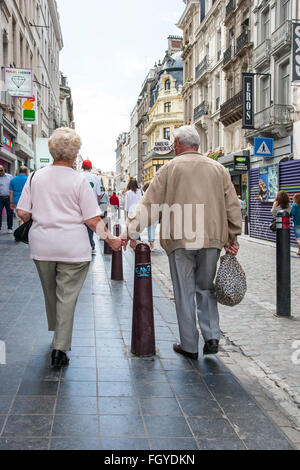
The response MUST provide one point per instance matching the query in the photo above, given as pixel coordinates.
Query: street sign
(263, 147)
(248, 100)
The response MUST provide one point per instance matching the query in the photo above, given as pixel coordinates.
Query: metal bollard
(283, 259)
(143, 333)
(117, 259)
(246, 231)
(107, 248)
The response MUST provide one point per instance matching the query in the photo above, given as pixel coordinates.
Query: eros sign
(248, 100)
(296, 52)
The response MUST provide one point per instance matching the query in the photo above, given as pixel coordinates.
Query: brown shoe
(178, 349)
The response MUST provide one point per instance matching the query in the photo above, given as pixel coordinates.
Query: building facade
(31, 38)
(166, 113)
(66, 104)
(122, 175)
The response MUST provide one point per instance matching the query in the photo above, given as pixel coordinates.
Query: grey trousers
(62, 283)
(193, 273)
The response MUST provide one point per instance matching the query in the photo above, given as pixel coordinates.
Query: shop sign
(248, 100)
(29, 109)
(7, 142)
(241, 163)
(296, 52)
(268, 183)
(19, 82)
(163, 147)
(25, 141)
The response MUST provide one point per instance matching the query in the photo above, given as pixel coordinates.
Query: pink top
(60, 201)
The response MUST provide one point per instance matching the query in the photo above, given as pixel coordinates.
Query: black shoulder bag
(22, 233)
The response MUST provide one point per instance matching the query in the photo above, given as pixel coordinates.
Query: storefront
(238, 166)
(24, 149)
(8, 158)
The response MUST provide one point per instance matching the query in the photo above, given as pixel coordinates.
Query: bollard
(117, 259)
(143, 334)
(283, 260)
(246, 231)
(107, 248)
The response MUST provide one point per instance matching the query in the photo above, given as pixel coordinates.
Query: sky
(109, 46)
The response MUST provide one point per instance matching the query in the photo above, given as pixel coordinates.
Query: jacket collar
(191, 153)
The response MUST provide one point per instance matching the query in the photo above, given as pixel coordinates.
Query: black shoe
(59, 359)
(211, 347)
(178, 349)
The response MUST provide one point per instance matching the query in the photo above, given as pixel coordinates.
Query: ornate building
(166, 112)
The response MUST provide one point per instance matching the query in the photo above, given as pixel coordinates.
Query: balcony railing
(242, 41)
(278, 114)
(201, 110)
(232, 104)
(230, 7)
(200, 69)
(261, 54)
(282, 37)
(228, 55)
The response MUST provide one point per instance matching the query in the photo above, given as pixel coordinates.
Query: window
(167, 133)
(230, 88)
(167, 107)
(265, 93)
(168, 84)
(284, 10)
(284, 83)
(265, 25)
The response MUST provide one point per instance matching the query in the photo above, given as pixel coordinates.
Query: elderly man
(5, 180)
(200, 215)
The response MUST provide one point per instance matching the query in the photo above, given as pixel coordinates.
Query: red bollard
(117, 260)
(143, 333)
(107, 248)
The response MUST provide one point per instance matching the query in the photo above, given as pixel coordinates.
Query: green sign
(45, 160)
(241, 163)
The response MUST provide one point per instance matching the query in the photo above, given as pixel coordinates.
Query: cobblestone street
(108, 399)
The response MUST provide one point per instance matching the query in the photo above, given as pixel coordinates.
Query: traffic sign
(263, 147)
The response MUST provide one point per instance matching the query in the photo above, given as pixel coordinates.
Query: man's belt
(4, 197)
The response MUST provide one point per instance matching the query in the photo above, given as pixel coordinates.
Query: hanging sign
(19, 82)
(296, 52)
(248, 100)
(163, 147)
(29, 109)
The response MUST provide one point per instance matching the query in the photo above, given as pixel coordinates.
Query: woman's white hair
(64, 145)
(188, 137)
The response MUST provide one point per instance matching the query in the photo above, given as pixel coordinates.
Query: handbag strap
(31, 178)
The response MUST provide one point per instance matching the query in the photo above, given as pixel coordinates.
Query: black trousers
(5, 202)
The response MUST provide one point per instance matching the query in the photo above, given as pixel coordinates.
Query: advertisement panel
(268, 183)
(29, 109)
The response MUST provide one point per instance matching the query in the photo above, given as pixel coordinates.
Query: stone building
(122, 175)
(66, 104)
(166, 113)
(134, 144)
(189, 23)
(31, 38)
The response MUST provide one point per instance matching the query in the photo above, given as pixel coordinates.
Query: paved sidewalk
(108, 399)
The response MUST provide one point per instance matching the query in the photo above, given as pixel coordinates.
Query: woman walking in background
(282, 203)
(295, 213)
(60, 201)
(152, 229)
(132, 198)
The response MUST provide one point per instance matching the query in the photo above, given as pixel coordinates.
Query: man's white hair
(187, 136)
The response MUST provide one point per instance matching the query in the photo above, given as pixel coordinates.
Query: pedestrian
(295, 213)
(180, 190)
(58, 240)
(95, 184)
(15, 189)
(114, 204)
(103, 203)
(5, 179)
(152, 229)
(132, 198)
(281, 203)
(241, 203)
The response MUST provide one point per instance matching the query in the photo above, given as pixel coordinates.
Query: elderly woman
(60, 202)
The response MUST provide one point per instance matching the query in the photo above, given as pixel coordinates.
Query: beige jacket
(205, 208)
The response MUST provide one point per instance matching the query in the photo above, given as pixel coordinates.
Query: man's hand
(232, 248)
(115, 243)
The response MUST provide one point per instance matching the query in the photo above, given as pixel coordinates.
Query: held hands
(232, 248)
(115, 243)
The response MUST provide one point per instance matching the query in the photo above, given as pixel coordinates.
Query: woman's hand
(232, 248)
(115, 243)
